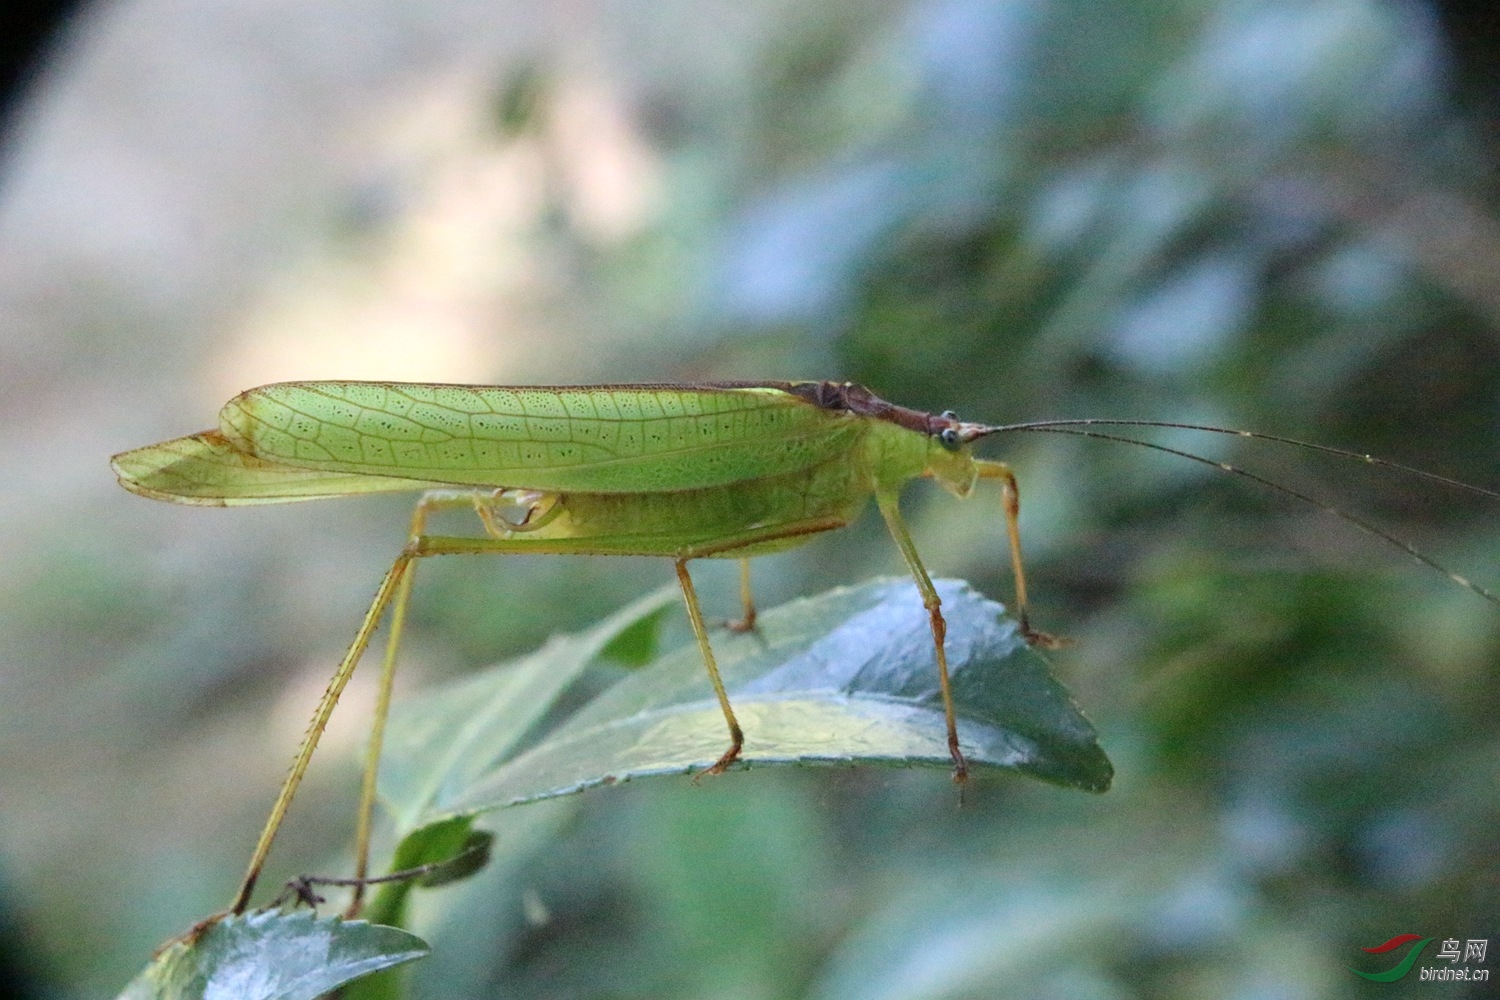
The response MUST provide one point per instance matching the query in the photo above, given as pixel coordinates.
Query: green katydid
(717, 470)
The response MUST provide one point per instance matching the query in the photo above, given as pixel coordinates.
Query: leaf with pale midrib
(847, 677)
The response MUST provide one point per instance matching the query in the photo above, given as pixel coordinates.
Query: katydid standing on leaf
(718, 470)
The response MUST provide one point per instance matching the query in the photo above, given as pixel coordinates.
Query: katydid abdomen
(825, 496)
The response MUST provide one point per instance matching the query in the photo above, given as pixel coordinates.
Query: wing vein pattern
(605, 439)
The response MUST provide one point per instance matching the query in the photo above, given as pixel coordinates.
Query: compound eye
(948, 437)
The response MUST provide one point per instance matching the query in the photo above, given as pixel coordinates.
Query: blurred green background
(1277, 216)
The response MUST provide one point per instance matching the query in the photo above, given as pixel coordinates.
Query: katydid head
(950, 457)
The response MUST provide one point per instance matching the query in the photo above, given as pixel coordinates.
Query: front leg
(1010, 496)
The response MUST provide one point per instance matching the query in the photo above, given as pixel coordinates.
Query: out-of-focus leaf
(272, 956)
(968, 941)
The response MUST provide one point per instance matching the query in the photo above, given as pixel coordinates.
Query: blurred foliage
(1262, 216)
(1267, 216)
(1272, 216)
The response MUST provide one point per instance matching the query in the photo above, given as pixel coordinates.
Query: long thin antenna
(1385, 463)
(1080, 428)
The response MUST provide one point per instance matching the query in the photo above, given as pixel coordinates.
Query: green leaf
(452, 845)
(272, 956)
(439, 744)
(847, 677)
